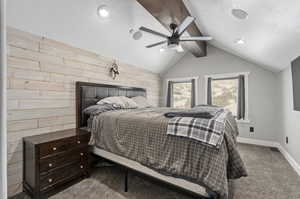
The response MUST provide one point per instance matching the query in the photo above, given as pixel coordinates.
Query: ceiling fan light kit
(173, 41)
(177, 48)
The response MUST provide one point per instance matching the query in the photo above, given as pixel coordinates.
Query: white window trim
(229, 75)
(183, 79)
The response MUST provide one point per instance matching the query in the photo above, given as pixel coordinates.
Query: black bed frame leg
(126, 181)
(213, 195)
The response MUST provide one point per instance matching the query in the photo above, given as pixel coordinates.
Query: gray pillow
(122, 101)
(141, 102)
(100, 108)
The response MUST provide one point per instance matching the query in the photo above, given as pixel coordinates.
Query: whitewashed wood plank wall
(41, 89)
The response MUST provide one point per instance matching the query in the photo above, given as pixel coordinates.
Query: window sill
(245, 121)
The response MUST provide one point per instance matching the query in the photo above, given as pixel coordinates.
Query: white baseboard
(283, 151)
(290, 159)
(257, 142)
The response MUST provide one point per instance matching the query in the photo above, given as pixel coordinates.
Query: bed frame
(88, 94)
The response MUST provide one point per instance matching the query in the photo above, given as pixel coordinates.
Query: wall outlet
(251, 129)
(286, 139)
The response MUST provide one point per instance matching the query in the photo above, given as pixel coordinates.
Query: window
(225, 93)
(181, 93)
(228, 91)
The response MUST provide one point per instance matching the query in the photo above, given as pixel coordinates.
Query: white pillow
(123, 101)
(141, 102)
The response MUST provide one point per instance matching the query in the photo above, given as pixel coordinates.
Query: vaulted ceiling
(271, 32)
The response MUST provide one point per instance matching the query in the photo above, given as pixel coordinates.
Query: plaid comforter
(140, 135)
(209, 131)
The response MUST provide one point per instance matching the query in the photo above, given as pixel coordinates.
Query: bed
(136, 140)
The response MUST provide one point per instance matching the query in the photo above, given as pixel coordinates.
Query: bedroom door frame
(3, 102)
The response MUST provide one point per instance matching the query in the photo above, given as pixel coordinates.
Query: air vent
(239, 13)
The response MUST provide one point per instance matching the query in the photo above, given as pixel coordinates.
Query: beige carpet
(270, 177)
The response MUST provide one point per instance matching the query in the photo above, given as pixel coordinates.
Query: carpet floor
(270, 177)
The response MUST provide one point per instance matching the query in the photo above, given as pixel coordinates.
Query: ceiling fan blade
(156, 44)
(204, 38)
(184, 25)
(142, 28)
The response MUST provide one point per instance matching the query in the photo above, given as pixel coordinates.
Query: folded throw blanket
(209, 131)
(205, 115)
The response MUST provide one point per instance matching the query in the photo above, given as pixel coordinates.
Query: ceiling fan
(173, 41)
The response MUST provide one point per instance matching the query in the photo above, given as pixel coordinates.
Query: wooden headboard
(88, 94)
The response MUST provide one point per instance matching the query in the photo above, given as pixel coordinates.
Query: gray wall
(289, 119)
(262, 92)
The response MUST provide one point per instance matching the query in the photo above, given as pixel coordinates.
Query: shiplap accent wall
(41, 89)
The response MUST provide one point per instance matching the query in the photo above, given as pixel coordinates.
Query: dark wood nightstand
(54, 161)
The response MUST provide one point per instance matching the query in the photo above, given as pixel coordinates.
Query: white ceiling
(271, 32)
(75, 22)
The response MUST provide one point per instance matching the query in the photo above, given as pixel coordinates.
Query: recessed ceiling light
(239, 41)
(239, 13)
(103, 11)
(162, 50)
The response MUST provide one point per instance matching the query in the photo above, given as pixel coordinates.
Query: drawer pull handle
(54, 148)
(81, 154)
(78, 142)
(50, 164)
(81, 166)
(50, 180)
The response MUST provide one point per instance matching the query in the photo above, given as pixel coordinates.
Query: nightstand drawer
(62, 175)
(54, 161)
(57, 146)
(50, 163)
(83, 139)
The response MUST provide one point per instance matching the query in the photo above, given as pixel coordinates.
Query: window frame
(182, 80)
(232, 76)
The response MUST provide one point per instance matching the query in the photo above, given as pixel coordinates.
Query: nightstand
(54, 161)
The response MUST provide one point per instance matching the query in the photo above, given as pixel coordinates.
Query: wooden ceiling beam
(174, 11)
